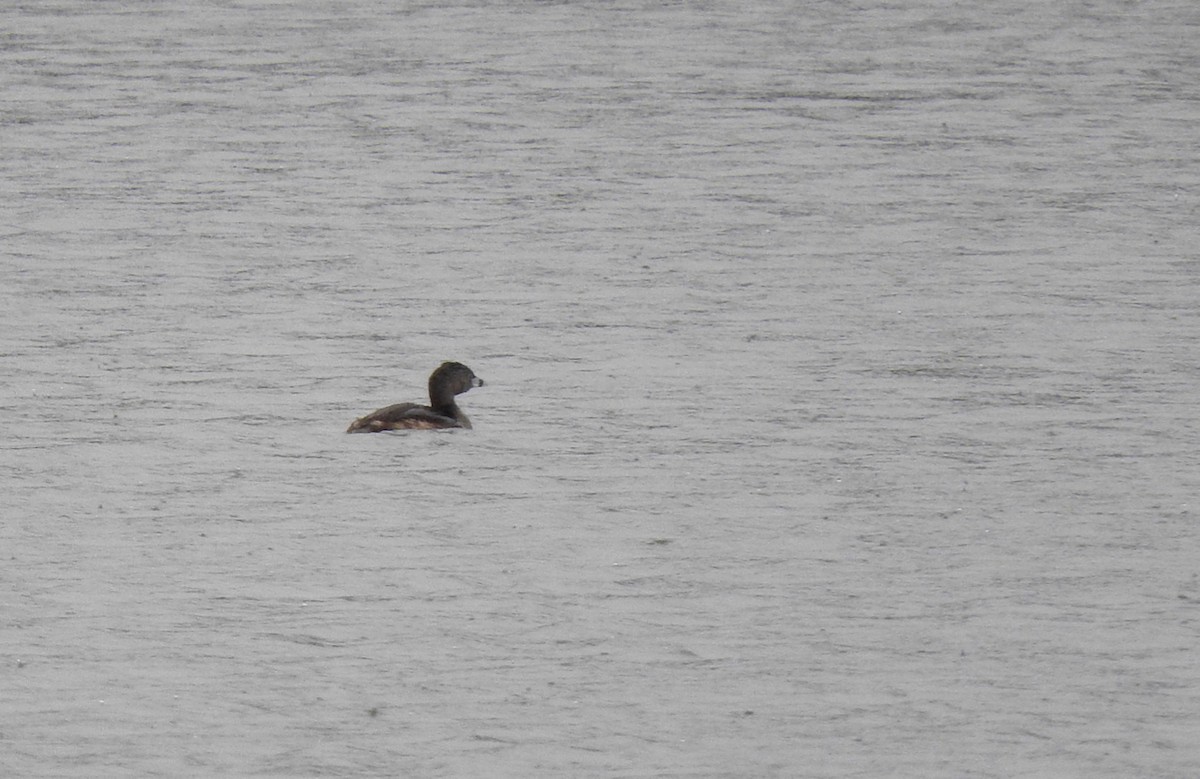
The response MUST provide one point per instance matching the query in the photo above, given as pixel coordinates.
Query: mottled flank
(376, 425)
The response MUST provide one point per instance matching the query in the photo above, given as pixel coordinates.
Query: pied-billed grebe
(452, 378)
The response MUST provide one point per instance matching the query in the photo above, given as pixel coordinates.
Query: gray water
(840, 421)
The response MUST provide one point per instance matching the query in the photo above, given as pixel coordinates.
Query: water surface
(840, 415)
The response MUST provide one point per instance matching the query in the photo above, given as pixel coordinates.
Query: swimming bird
(450, 379)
